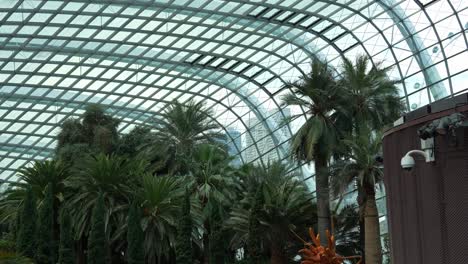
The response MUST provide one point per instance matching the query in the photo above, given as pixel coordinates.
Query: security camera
(407, 162)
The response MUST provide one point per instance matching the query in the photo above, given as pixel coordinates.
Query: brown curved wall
(428, 206)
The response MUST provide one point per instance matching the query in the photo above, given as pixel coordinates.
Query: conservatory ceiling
(135, 57)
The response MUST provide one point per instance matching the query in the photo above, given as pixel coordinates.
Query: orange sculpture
(315, 253)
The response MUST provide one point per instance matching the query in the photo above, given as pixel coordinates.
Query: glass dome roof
(135, 57)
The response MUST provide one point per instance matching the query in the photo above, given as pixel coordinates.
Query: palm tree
(115, 178)
(286, 208)
(214, 186)
(183, 127)
(37, 177)
(346, 231)
(162, 199)
(372, 97)
(373, 102)
(321, 97)
(361, 169)
(95, 132)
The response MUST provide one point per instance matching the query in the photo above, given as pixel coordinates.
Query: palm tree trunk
(277, 255)
(373, 248)
(361, 200)
(323, 195)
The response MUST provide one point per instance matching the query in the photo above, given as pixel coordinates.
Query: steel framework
(135, 57)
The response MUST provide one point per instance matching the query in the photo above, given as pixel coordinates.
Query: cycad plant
(322, 99)
(162, 198)
(116, 178)
(286, 208)
(35, 177)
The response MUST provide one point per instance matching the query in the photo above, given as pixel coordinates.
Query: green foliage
(46, 244)
(317, 139)
(347, 231)
(96, 129)
(135, 236)
(287, 206)
(37, 177)
(66, 249)
(254, 248)
(132, 143)
(184, 234)
(323, 99)
(183, 127)
(162, 198)
(9, 257)
(7, 246)
(372, 98)
(26, 244)
(113, 176)
(97, 236)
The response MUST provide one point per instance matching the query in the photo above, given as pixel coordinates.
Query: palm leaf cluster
(166, 192)
(345, 111)
(97, 203)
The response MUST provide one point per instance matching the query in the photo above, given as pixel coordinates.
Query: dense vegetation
(167, 192)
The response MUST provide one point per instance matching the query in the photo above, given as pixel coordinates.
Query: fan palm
(361, 169)
(321, 97)
(373, 102)
(162, 199)
(372, 97)
(214, 186)
(182, 127)
(286, 208)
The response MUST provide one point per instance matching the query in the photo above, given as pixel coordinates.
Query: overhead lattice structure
(134, 57)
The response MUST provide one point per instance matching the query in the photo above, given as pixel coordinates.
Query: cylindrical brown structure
(428, 206)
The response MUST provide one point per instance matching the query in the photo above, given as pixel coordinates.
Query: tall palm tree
(183, 127)
(286, 208)
(372, 97)
(373, 102)
(320, 96)
(361, 169)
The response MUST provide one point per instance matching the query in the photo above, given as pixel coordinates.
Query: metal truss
(135, 57)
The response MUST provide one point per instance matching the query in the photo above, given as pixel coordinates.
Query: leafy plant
(66, 249)
(135, 236)
(97, 251)
(46, 244)
(184, 233)
(26, 243)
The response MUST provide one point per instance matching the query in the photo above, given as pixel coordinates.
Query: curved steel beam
(182, 67)
(416, 45)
